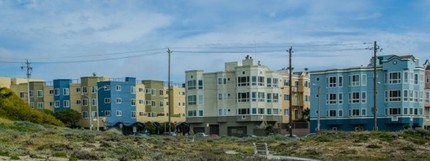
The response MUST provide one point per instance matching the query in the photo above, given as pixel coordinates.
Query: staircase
(261, 149)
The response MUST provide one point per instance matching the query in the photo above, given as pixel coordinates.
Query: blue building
(345, 96)
(117, 101)
(61, 94)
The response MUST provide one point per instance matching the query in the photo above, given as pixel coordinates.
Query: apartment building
(117, 101)
(427, 95)
(37, 92)
(155, 105)
(345, 96)
(244, 99)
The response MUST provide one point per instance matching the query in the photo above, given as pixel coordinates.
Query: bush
(85, 155)
(60, 154)
(14, 157)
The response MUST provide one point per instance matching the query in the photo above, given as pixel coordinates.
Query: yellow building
(153, 104)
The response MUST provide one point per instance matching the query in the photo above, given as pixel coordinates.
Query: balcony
(250, 118)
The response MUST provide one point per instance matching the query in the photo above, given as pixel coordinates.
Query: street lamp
(318, 106)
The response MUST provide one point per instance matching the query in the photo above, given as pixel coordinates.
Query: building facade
(427, 95)
(155, 102)
(244, 99)
(344, 97)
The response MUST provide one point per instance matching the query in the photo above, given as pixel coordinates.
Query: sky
(119, 38)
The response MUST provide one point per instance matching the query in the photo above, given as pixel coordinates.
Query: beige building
(153, 103)
(244, 99)
(39, 91)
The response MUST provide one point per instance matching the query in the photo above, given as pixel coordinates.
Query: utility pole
(168, 89)
(291, 92)
(28, 67)
(375, 110)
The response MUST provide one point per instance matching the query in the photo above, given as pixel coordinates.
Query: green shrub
(60, 154)
(14, 157)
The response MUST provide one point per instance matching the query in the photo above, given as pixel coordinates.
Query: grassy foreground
(29, 141)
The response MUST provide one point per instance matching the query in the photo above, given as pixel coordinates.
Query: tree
(306, 113)
(69, 117)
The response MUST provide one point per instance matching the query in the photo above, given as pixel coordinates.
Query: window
(242, 81)
(40, 105)
(191, 84)
(51, 92)
(192, 113)
(405, 111)
(243, 97)
(39, 93)
(152, 103)
(331, 98)
(286, 97)
(78, 90)
(85, 102)
(254, 96)
(132, 89)
(93, 102)
(94, 89)
(254, 111)
(133, 114)
(269, 82)
(355, 80)
(405, 77)
(117, 88)
(56, 104)
(261, 96)
(394, 95)
(260, 81)
(416, 79)
(66, 91)
(141, 102)
(355, 112)
(332, 82)
(84, 89)
(56, 92)
(269, 97)
(140, 89)
(275, 82)
(201, 100)
(118, 100)
(84, 114)
(405, 95)
(340, 113)
(161, 92)
(133, 102)
(355, 97)
(107, 100)
(275, 97)
(332, 113)
(261, 111)
(363, 97)
(78, 102)
(243, 111)
(118, 113)
(66, 103)
(363, 80)
(191, 100)
(200, 84)
(340, 81)
(340, 98)
(161, 103)
(394, 111)
(253, 80)
(201, 113)
(363, 112)
(394, 77)
(219, 96)
(269, 111)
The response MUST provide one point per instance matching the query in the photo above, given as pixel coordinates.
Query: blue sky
(117, 38)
